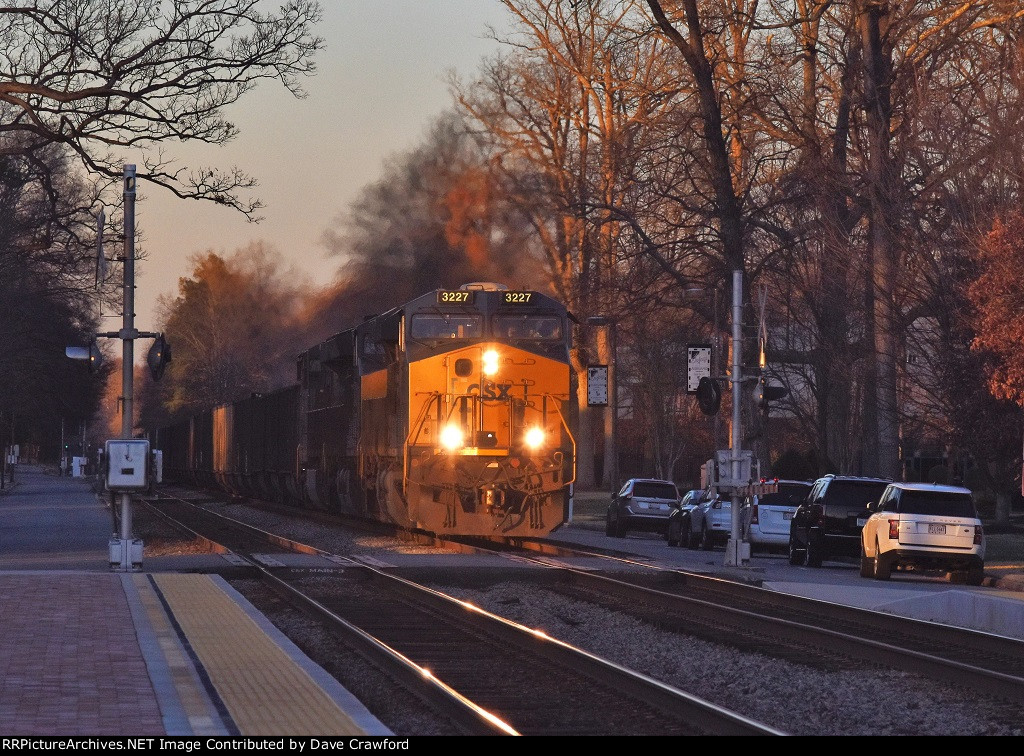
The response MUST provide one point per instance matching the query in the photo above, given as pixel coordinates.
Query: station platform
(141, 654)
(86, 652)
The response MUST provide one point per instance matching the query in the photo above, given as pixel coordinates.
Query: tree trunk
(884, 269)
(585, 479)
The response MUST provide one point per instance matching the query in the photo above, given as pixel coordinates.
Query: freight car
(452, 414)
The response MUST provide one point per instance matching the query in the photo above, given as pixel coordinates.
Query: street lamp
(613, 398)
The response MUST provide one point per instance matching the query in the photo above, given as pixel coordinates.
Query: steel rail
(801, 633)
(705, 716)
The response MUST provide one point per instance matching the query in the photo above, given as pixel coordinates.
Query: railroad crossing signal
(764, 393)
(709, 396)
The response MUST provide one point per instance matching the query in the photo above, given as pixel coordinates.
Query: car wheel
(614, 528)
(883, 569)
(672, 534)
(975, 576)
(814, 554)
(609, 525)
(619, 528)
(706, 542)
(689, 537)
(797, 556)
(867, 564)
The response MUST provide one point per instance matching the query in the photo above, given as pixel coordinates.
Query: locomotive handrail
(572, 439)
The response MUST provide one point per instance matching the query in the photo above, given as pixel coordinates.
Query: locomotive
(452, 414)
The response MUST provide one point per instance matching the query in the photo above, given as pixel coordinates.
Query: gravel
(790, 697)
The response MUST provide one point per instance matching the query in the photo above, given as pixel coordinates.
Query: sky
(381, 82)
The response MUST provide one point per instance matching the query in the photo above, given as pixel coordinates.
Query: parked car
(711, 521)
(641, 504)
(679, 529)
(766, 517)
(826, 524)
(923, 526)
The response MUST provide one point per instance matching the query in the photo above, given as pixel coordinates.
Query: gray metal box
(127, 464)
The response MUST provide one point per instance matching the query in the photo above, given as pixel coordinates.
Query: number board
(698, 365)
(516, 297)
(462, 296)
(597, 385)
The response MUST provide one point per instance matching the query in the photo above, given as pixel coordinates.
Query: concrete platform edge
(347, 702)
(171, 709)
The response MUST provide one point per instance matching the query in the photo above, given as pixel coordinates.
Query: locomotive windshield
(442, 326)
(542, 327)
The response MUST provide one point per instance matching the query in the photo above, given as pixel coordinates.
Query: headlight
(534, 438)
(451, 437)
(490, 359)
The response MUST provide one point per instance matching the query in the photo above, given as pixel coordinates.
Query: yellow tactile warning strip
(261, 687)
(196, 706)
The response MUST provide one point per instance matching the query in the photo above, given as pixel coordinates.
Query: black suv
(825, 524)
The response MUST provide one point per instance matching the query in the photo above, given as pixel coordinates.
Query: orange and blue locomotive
(452, 414)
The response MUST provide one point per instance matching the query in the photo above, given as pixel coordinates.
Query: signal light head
(158, 357)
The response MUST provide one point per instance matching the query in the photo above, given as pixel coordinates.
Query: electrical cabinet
(127, 464)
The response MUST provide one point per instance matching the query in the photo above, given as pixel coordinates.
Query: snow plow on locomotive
(452, 414)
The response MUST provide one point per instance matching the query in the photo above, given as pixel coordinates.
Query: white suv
(766, 517)
(923, 526)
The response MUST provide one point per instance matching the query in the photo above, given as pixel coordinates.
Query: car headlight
(452, 437)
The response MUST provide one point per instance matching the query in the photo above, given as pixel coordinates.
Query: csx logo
(490, 390)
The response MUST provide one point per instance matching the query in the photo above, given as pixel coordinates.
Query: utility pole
(133, 470)
(126, 552)
(737, 552)
(127, 336)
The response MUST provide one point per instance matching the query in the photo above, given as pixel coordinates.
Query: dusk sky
(380, 84)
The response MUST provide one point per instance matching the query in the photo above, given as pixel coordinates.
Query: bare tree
(103, 75)
(567, 113)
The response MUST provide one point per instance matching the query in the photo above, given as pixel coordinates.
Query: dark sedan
(680, 529)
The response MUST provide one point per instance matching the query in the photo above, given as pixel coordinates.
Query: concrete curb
(1014, 582)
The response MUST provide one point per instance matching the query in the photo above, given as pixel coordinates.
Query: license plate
(936, 529)
(787, 515)
(861, 522)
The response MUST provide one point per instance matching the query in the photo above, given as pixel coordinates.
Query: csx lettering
(491, 390)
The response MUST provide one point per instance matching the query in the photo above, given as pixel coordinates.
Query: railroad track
(480, 671)
(793, 627)
(821, 634)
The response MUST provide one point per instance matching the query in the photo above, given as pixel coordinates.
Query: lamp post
(613, 398)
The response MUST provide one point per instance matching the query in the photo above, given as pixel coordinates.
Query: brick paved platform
(156, 654)
(87, 651)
